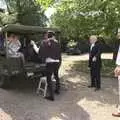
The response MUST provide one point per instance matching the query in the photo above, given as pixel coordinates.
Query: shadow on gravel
(20, 102)
(78, 82)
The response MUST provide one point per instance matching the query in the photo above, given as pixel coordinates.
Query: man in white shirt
(117, 74)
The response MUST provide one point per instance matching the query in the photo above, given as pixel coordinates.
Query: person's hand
(117, 71)
(32, 42)
(94, 59)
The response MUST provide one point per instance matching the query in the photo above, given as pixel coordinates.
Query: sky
(2, 4)
(48, 12)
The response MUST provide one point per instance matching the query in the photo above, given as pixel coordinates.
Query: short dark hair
(11, 33)
(51, 34)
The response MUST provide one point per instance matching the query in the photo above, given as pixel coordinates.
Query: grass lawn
(108, 67)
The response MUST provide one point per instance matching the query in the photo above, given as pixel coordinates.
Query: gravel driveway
(76, 101)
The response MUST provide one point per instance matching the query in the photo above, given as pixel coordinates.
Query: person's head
(51, 34)
(45, 35)
(93, 39)
(12, 37)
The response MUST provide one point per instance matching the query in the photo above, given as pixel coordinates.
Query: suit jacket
(50, 49)
(95, 52)
(115, 49)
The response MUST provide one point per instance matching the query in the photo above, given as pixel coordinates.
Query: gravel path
(76, 101)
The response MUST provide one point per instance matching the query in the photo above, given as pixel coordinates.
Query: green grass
(108, 67)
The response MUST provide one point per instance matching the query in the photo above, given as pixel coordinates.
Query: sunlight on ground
(95, 106)
(4, 115)
(84, 57)
(107, 56)
(62, 117)
(85, 101)
(73, 80)
(56, 118)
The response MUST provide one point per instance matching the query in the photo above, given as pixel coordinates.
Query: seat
(14, 65)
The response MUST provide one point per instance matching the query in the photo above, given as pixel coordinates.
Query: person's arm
(18, 45)
(35, 47)
(98, 52)
(118, 58)
(117, 69)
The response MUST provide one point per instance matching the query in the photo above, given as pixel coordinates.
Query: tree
(7, 19)
(26, 12)
(78, 18)
(46, 3)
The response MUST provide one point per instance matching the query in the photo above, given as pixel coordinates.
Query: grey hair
(93, 37)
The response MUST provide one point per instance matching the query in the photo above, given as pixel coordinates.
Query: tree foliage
(80, 18)
(27, 12)
(46, 3)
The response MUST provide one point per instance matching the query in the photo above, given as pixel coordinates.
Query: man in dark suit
(117, 74)
(95, 62)
(116, 48)
(51, 54)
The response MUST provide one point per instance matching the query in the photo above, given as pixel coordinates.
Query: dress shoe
(57, 92)
(91, 86)
(117, 114)
(50, 98)
(96, 89)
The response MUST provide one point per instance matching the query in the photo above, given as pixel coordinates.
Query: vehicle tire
(4, 81)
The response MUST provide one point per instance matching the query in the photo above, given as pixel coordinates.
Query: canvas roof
(26, 29)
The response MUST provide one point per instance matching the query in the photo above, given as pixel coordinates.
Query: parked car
(80, 48)
(73, 51)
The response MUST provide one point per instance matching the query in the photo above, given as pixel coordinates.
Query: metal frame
(6, 46)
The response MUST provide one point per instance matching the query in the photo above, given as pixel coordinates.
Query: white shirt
(92, 45)
(118, 57)
(50, 60)
(34, 46)
(13, 47)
